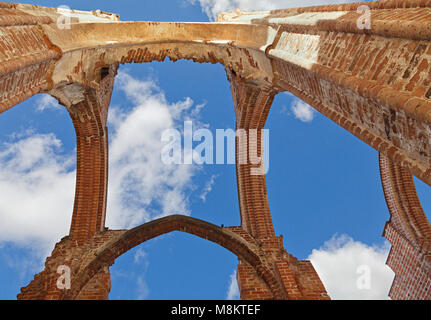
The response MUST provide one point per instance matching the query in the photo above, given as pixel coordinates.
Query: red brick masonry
(375, 83)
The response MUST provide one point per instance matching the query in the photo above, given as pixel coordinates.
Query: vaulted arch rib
(106, 255)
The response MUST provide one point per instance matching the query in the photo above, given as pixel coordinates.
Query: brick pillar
(92, 165)
(89, 115)
(296, 279)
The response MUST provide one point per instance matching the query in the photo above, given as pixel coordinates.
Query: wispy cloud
(343, 265)
(45, 101)
(208, 187)
(142, 187)
(142, 290)
(302, 111)
(13, 260)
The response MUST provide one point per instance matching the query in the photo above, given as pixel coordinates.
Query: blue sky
(327, 202)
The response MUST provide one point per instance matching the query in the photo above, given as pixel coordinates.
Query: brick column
(252, 104)
(296, 279)
(92, 164)
(89, 117)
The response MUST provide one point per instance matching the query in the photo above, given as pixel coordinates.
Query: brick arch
(409, 232)
(86, 48)
(225, 237)
(338, 69)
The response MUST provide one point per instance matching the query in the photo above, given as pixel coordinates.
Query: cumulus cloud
(213, 7)
(233, 290)
(302, 110)
(37, 179)
(351, 270)
(37, 185)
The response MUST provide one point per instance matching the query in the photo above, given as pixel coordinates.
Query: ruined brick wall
(266, 272)
(375, 83)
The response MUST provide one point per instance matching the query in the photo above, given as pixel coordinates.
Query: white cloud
(36, 186)
(213, 7)
(233, 290)
(140, 255)
(134, 277)
(302, 111)
(141, 186)
(45, 102)
(37, 181)
(142, 290)
(343, 263)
